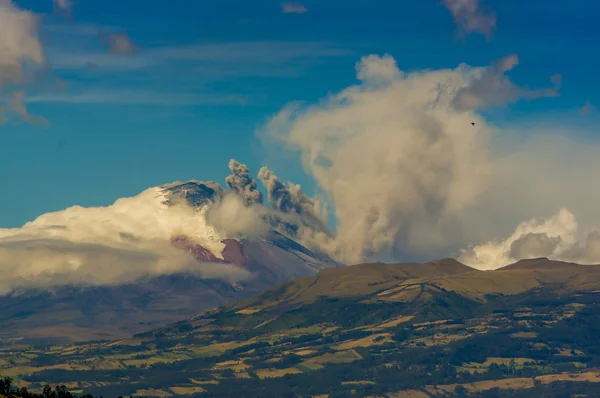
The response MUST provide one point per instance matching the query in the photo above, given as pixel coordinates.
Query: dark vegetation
(338, 346)
(7, 390)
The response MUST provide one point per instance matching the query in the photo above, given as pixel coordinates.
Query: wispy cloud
(118, 43)
(170, 74)
(15, 105)
(64, 7)
(138, 97)
(587, 108)
(470, 17)
(493, 88)
(200, 54)
(293, 8)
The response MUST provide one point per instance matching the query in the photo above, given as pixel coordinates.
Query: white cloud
(244, 56)
(469, 17)
(293, 8)
(407, 173)
(137, 97)
(375, 70)
(233, 218)
(557, 238)
(19, 43)
(113, 244)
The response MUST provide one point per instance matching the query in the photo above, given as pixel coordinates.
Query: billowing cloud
(20, 45)
(375, 70)
(233, 218)
(290, 199)
(293, 8)
(115, 244)
(470, 17)
(556, 238)
(242, 183)
(137, 237)
(407, 174)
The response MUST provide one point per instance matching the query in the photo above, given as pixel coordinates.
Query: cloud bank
(114, 244)
(407, 174)
(557, 238)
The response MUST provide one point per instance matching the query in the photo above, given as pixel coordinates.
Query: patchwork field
(354, 341)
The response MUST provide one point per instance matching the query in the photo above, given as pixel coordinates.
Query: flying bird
(473, 123)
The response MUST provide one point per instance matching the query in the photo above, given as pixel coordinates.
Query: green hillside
(406, 330)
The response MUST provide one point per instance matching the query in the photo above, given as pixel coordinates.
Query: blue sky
(208, 74)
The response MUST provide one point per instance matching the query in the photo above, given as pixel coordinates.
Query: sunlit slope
(355, 281)
(400, 282)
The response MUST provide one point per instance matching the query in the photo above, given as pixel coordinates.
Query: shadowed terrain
(379, 330)
(81, 313)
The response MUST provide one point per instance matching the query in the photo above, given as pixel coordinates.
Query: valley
(372, 330)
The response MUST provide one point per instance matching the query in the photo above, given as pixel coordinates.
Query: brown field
(440, 339)
(365, 342)
(204, 382)
(186, 390)
(593, 377)
(236, 366)
(524, 335)
(304, 352)
(408, 394)
(152, 393)
(273, 373)
(392, 323)
(249, 311)
(339, 357)
(515, 383)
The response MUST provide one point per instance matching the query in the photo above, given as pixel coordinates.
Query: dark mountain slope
(368, 331)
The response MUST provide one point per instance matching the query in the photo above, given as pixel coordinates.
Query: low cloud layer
(412, 168)
(470, 17)
(115, 244)
(557, 237)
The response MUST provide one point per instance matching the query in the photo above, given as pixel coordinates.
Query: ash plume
(242, 183)
(412, 168)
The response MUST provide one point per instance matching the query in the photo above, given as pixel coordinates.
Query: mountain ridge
(371, 330)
